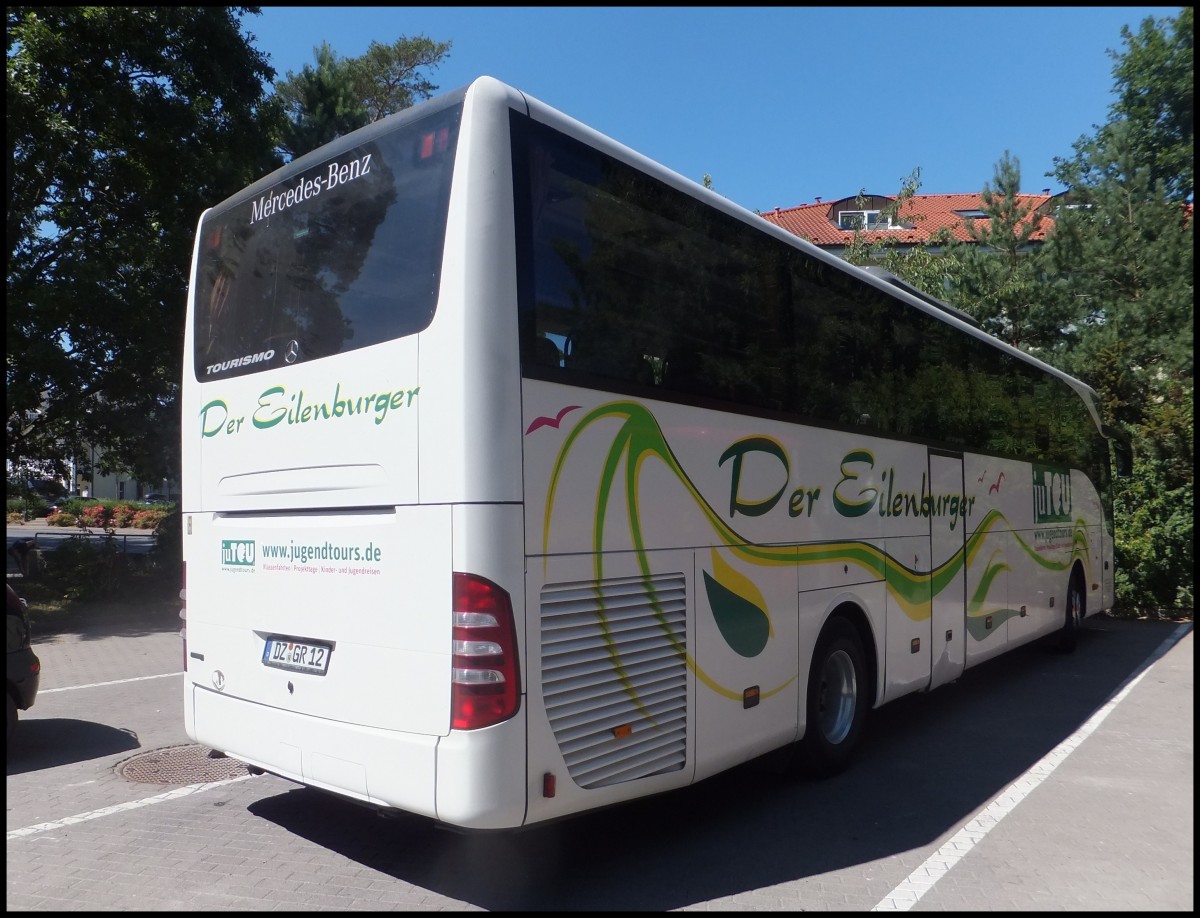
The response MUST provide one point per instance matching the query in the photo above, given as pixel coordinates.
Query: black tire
(12, 718)
(1073, 615)
(837, 702)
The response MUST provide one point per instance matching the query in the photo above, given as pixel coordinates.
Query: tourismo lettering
(238, 362)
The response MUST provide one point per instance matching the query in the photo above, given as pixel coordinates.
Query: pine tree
(1126, 243)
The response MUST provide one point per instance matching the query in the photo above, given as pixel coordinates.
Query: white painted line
(71, 688)
(121, 807)
(921, 880)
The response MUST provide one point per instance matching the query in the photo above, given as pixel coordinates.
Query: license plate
(298, 656)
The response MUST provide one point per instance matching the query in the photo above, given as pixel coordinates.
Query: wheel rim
(1075, 606)
(839, 692)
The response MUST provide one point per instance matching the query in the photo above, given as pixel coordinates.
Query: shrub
(168, 542)
(95, 516)
(76, 505)
(87, 570)
(60, 518)
(148, 519)
(122, 515)
(30, 507)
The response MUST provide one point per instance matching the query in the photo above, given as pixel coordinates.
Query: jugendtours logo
(1051, 494)
(237, 553)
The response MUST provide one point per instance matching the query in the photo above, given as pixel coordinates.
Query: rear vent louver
(614, 676)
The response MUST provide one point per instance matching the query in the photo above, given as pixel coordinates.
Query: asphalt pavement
(1039, 782)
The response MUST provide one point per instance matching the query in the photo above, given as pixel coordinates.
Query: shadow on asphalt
(930, 762)
(116, 618)
(48, 742)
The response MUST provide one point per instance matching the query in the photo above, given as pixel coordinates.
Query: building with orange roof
(832, 225)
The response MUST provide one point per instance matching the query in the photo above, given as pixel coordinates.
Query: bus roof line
(897, 281)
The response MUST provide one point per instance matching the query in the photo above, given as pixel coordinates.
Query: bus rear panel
(352, 559)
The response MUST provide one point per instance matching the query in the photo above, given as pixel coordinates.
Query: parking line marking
(71, 688)
(122, 807)
(921, 880)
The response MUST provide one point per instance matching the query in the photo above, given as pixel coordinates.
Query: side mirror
(1122, 450)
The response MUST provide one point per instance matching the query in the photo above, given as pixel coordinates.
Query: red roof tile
(927, 213)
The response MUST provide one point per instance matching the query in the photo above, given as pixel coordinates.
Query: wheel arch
(853, 612)
(1079, 574)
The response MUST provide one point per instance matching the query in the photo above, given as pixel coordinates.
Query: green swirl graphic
(741, 621)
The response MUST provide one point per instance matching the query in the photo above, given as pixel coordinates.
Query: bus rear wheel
(837, 700)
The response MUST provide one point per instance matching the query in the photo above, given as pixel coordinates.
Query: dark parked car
(24, 668)
(156, 499)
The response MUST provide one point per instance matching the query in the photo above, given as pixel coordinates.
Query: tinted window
(629, 284)
(335, 256)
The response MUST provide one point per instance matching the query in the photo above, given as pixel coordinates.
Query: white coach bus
(523, 476)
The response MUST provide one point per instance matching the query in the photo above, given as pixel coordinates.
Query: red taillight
(183, 614)
(434, 142)
(486, 680)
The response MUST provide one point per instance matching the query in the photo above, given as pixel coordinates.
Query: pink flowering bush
(148, 519)
(95, 516)
(122, 516)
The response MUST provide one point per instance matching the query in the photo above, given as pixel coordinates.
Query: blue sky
(779, 105)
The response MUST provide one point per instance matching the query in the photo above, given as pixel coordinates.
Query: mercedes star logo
(218, 678)
(292, 354)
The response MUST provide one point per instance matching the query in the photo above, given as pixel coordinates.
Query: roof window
(863, 219)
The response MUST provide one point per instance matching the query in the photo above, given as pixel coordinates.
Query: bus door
(947, 535)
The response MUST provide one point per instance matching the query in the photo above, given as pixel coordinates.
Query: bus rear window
(333, 257)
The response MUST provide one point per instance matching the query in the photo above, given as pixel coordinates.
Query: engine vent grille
(614, 676)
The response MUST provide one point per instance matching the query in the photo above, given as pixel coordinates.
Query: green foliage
(1129, 252)
(30, 508)
(388, 77)
(321, 103)
(1155, 84)
(917, 265)
(92, 569)
(124, 124)
(1127, 247)
(1155, 556)
(1155, 511)
(78, 505)
(339, 94)
(1002, 278)
(167, 554)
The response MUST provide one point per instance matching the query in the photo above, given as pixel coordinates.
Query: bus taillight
(485, 682)
(183, 614)
(434, 142)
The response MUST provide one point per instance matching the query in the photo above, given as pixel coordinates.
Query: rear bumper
(381, 767)
(24, 674)
(482, 772)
